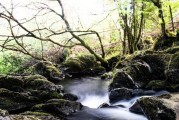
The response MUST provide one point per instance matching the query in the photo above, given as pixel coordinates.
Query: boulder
(83, 65)
(14, 83)
(120, 94)
(15, 101)
(158, 85)
(135, 108)
(48, 70)
(164, 107)
(121, 79)
(104, 105)
(69, 96)
(126, 94)
(58, 107)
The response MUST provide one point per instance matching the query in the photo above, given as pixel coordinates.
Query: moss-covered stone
(11, 82)
(48, 70)
(165, 42)
(121, 79)
(13, 101)
(83, 65)
(164, 107)
(58, 107)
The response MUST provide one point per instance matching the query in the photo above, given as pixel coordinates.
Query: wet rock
(120, 94)
(121, 79)
(58, 107)
(135, 108)
(104, 105)
(164, 107)
(69, 96)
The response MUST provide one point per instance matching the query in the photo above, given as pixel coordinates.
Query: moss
(156, 109)
(164, 43)
(36, 76)
(35, 113)
(48, 70)
(84, 64)
(174, 64)
(172, 50)
(23, 117)
(157, 85)
(58, 107)
(13, 100)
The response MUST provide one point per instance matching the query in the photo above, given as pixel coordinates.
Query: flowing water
(92, 92)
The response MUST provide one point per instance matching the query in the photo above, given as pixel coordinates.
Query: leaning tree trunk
(103, 62)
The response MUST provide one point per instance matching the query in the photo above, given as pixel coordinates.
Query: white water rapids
(92, 92)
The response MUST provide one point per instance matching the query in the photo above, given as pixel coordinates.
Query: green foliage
(10, 63)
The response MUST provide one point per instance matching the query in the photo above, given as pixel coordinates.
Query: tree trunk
(171, 16)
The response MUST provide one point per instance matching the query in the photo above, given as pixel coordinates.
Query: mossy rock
(14, 101)
(164, 107)
(48, 70)
(40, 87)
(174, 61)
(11, 82)
(83, 65)
(58, 107)
(121, 79)
(164, 42)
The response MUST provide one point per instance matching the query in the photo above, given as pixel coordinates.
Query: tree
(15, 40)
(133, 22)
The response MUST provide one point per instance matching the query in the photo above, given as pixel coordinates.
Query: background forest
(57, 30)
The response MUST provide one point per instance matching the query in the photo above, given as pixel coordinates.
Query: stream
(92, 92)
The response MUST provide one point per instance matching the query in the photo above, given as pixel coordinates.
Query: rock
(58, 107)
(164, 107)
(41, 115)
(173, 76)
(107, 76)
(135, 108)
(48, 70)
(126, 94)
(83, 65)
(69, 96)
(161, 43)
(3, 113)
(121, 79)
(11, 82)
(15, 101)
(30, 117)
(120, 94)
(104, 105)
(39, 82)
(159, 85)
